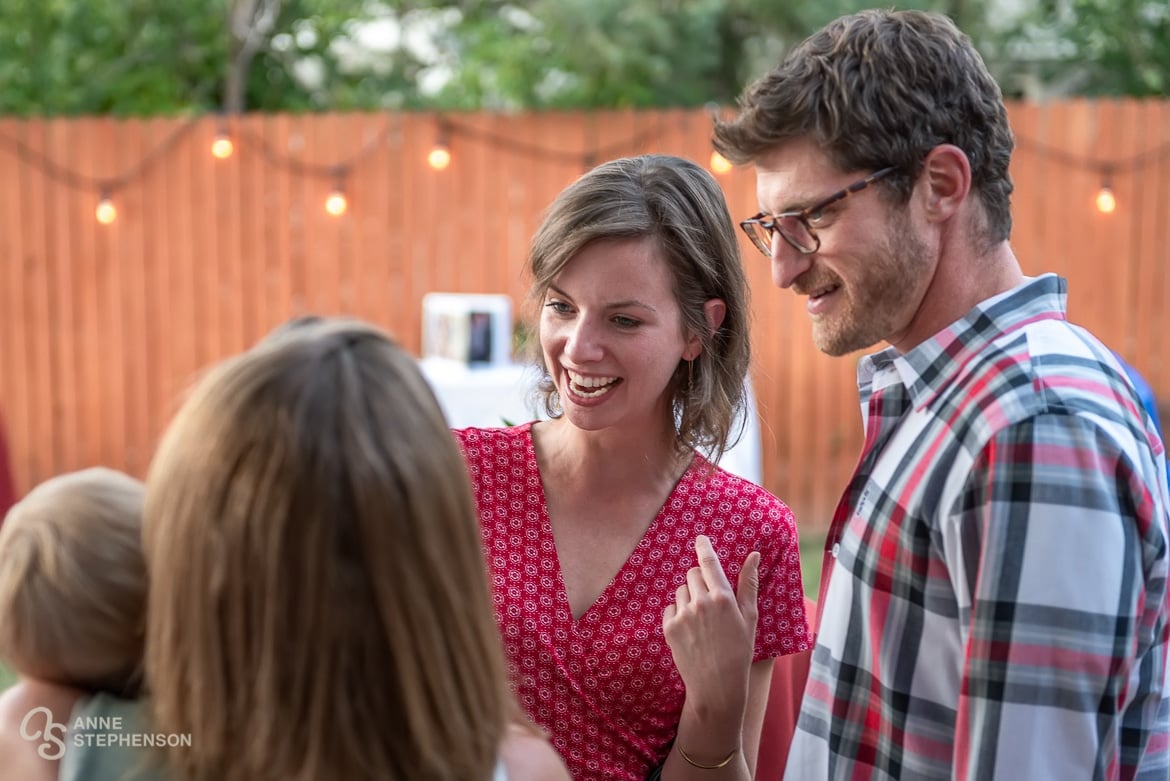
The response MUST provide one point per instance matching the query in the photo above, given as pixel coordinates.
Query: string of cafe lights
(105, 187)
(439, 157)
(225, 144)
(1106, 170)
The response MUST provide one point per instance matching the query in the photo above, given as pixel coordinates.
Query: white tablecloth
(502, 395)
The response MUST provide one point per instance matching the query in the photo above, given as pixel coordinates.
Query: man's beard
(876, 298)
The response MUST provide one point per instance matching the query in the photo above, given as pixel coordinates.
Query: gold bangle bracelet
(700, 766)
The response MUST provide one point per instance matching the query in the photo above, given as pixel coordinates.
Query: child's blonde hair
(73, 582)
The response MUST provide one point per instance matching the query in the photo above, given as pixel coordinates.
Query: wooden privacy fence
(103, 326)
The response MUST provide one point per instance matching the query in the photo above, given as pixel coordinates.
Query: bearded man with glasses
(994, 602)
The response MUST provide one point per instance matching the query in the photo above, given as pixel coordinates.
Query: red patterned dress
(605, 686)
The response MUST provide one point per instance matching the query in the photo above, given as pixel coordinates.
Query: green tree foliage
(614, 53)
(144, 57)
(1097, 47)
(129, 56)
(620, 53)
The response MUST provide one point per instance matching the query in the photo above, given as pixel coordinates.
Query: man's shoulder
(1051, 371)
(1041, 363)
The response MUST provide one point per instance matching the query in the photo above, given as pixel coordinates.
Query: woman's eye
(560, 307)
(818, 216)
(624, 322)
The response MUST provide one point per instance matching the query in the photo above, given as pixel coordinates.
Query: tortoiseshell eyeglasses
(796, 227)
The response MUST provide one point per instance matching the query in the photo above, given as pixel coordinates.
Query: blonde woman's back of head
(319, 604)
(73, 582)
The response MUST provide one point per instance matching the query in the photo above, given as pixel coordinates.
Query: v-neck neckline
(591, 613)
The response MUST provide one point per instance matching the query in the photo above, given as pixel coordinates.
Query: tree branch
(251, 25)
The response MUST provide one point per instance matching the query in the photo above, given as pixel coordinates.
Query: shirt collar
(930, 366)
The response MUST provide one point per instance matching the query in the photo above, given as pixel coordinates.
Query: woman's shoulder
(475, 435)
(527, 756)
(483, 445)
(715, 485)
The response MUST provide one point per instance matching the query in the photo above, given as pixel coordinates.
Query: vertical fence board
(270, 135)
(184, 328)
(90, 407)
(224, 185)
(1109, 235)
(1027, 171)
(109, 346)
(1158, 358)
(1148, 266)
(254, 212)
(61, 241)
(158, 252)
(19, 419)
(432, 219)
(385, 244)
(40, 279)
(1087, 302)
(127, 278)
(364, 275)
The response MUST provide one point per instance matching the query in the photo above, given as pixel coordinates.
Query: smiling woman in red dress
(641, 590)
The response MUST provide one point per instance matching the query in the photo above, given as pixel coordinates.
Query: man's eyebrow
(796, 204)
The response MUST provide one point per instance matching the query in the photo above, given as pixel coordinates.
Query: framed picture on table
(471, 328)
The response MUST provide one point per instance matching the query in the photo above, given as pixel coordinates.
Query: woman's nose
(584, 343)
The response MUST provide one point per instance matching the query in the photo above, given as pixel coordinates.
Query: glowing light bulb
(336, 204)
(222, 146)
(719, 163)
(105, 211)
(440, 157)
(1106, 202)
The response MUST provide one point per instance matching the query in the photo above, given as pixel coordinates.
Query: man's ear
(714, 310)
(945, 181)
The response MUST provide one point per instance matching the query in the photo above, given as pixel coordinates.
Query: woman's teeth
(590, 387)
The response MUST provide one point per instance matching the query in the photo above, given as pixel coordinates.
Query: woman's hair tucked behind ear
(319, 605)
(681, 207)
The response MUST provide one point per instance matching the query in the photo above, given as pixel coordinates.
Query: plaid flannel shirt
(996, 602)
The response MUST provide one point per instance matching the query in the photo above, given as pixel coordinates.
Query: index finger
(713, 574)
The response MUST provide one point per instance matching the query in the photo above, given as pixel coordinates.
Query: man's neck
(960, 283)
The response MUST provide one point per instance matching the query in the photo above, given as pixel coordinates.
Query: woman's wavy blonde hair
(319, 604)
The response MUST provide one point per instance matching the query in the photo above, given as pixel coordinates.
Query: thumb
(748, 585)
